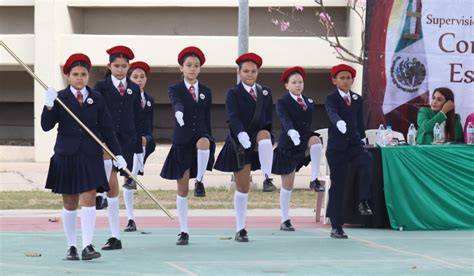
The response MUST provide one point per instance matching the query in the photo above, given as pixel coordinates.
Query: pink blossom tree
(287, 16)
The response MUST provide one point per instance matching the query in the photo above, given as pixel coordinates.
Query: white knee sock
(108, 168)
(240, 207)
(315, 153)
(285, 197)
(128, 198)
(114, 219)
(69, 225)
(87, 225)
(182, 206)
(202, 159)
(265, 155)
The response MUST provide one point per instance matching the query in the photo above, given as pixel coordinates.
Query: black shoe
(183, 239)
(131, 226)
(71, 254)
(268, 185)
(101, 203)
(199, 190)
(130, 184)
(316, 186)
(241, 236)
(112, 244)
(286, 226)
(364, 208)
(338, 233)
(89, 253)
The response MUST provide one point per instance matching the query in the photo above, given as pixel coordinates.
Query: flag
(406, 67)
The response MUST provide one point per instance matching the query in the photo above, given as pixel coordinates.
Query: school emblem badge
(265, 92)
(148, 103)
(310, 100)
(129, 91)
(90, 101)
(202, 96)
(355, 97)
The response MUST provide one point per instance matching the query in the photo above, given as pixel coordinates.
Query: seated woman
(441, 112)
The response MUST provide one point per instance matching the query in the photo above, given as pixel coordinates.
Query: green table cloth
(429, 187)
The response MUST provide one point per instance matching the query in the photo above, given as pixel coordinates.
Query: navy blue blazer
(125, 110)
(240, 107)
(146, 124)
(71, 138)
(196, 115)
(292, 116)
(337, 109)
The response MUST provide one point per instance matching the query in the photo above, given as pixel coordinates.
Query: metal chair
(322, 198)
(371, 135)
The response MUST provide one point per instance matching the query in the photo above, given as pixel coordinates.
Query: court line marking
(182, 269)
(224, 235)
(70, 269)
(404, 252)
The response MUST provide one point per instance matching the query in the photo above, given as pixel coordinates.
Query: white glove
(295, 136)
(341, 126)
(138, 163)
(244, 139)
(120, 163)
(51, 95)
(179, 118)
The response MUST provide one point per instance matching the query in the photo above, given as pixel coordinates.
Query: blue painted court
(212, 251)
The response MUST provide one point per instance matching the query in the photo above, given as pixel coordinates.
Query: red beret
(249, 57)
(342, 67)
(142, 65)
(191, 50)
(121, 50)
(289, 71)
(74, 58)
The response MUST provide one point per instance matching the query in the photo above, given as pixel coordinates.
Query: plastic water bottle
(389, 136)
(470, 133)
(381, 142)
(411, 135)
(437, 134)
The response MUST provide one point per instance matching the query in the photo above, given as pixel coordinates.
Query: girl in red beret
(193, 145)
(124, 104)
(298, 144)
(138, 73)
(248, 146)
(76, 168)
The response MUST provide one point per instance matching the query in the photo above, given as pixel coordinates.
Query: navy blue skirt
(227, 158)
(183, 157)
(287, 160)
(75, 174)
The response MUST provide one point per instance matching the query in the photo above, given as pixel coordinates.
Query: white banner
(449, 44)
(434, 50)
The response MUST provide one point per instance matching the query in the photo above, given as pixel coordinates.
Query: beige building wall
(44, 33)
